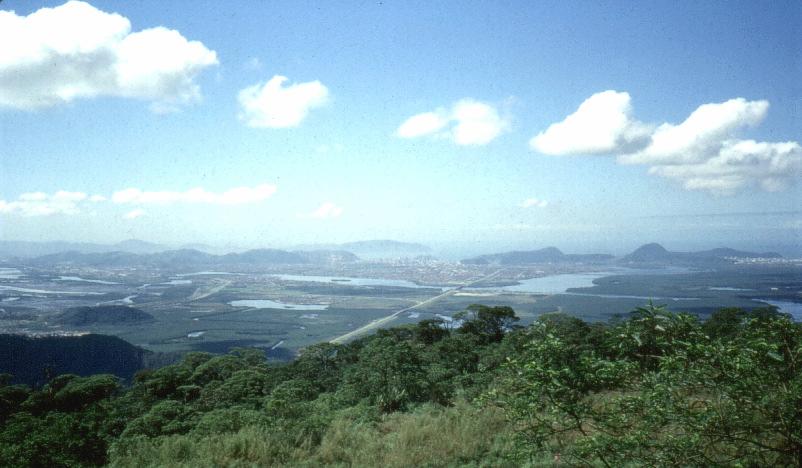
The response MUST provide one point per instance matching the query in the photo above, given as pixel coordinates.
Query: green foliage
(670, 394)
(229, 420)
(655, 389)
(35, 360)
(81, 392)
(58, 439)
(164, 418)
(651, 333)
(731, 321)
(165, 382)
(66, 423)
(245, 387)
(11, 397)
(491, 323)
(433, 436)
(430, 331)
(389, 374)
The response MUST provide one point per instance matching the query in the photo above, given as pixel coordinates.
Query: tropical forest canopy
(655, 388)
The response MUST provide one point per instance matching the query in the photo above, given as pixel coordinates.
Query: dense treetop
(656, 388)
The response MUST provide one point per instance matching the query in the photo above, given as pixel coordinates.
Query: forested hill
(655, 389)
(373, 249)
(656, 253)
(648, 254)
(36, 360)
(103, 314)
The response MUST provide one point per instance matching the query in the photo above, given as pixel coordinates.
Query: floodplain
(283, 308)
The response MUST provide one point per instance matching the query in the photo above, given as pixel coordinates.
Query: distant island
(193, 258)
(648, 254)
(656, 253)
(133, 252)
(372, 249)
(24, 249)
(525, 257)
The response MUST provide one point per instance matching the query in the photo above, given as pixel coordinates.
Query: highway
(378, 323)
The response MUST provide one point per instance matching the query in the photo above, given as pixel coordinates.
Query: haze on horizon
(477, 128)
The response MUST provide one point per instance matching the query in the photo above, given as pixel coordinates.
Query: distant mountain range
(136, 252)
(193, 258)
(656, 253)
(138, 246)
(208, 248)
(547, 255)
(372, 249)
(363, 249)
(36, 249)
(647, 254)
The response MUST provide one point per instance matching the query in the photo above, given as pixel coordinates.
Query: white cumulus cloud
(326, 210)
(72, 51)
(701, 153)
(603, 124)
(467, 123)
(704, 152)
(43, 204)
(423, 124)
(534, 203)
(737, 164)
(273, 105)
(701, 135)
(234, 196)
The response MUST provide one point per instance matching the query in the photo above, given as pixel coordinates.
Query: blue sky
(482, 124)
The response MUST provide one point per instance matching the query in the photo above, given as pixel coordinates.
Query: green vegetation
(655, 389)
(103, 314)
(34, 361)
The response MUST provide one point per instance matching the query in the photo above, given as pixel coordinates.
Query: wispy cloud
(702, 153)
(467, 123)
(253, 63)
(513, 227)
(534, 203)
(273, 105)
(423, 124)
(70, 203)
(327, 210)
(759, 214)
(77, 51)
(234, 196)
(135, 213)
(44, 204)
